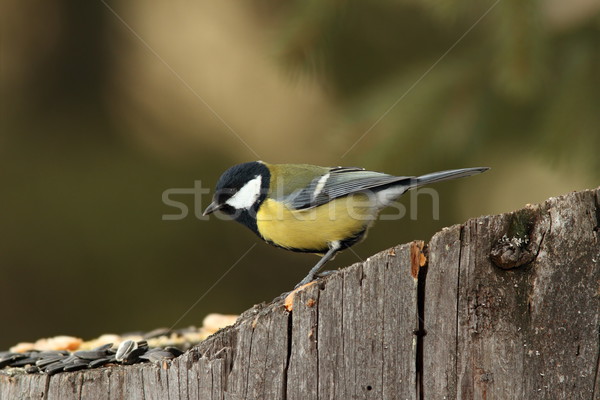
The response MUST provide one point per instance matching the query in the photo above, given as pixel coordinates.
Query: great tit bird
(311, 209)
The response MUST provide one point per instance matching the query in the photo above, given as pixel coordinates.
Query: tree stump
(501, 307)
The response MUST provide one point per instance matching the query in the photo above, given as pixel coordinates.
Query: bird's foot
(309, 278)
(326, 273)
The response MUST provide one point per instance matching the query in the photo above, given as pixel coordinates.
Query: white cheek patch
(247, 195)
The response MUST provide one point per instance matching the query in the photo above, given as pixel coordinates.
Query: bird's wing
(338, 182)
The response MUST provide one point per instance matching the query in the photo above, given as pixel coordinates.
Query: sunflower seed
(8, 360)
(125, 348)
(75, 366)
(43, 362)
(54, 368)
(32, 369)
(90, 354)
(155, 349)
(51, 353)
(104, 347)
(142, 343)
(146, 355)
(174, 350)
(160, 356)
(23, 362)
(70, 359)
(99, 362)
(134, 355)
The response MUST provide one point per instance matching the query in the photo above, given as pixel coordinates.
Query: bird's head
(241, 188)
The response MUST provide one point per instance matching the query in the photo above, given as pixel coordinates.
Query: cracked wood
(509, 306)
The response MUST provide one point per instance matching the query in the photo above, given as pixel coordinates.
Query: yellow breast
(315, 228)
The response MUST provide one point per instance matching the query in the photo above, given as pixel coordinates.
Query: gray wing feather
(450, 174)
(341, 182)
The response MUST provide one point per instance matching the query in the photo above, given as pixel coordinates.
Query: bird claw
(323, 274)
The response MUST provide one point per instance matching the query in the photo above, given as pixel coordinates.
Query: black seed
(76, 366)
(8, 360)
(72, 358)
(90, 354)
(23, 362)
(32, 369)
(146, 355)
(100, 362)
(54, 368)
(155, 349)
(125, 348)
(43, 362)
(134, 356)
(157, 333)
(51, 353)
(174, 350)
(142, 343)
(106, 347)
(160, 356)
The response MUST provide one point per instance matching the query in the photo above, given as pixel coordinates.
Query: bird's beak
(212, 207)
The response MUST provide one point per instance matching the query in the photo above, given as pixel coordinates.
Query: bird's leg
(314, 270)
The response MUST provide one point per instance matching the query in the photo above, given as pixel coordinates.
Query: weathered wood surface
(528, 332)
(523, 326)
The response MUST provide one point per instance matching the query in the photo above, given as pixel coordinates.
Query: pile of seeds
(67, 353)
(54, 361)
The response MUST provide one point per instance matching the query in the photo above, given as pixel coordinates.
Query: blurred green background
(105, 106)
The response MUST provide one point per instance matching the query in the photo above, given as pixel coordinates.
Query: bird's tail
(444, 175)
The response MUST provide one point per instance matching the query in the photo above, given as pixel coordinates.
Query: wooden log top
(500, 307)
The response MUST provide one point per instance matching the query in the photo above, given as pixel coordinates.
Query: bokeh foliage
(521, 76)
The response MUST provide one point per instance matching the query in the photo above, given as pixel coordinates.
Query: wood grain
(501, 307)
